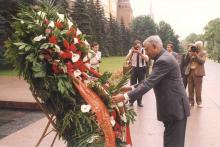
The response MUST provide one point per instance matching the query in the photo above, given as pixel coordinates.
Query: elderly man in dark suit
(171, 97)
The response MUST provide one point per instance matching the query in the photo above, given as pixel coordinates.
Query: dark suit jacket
(165, 79)
(185, 59)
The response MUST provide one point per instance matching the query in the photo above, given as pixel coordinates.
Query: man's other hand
(118, 98)
(126, 88)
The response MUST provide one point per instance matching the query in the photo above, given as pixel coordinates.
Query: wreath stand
(51, 121)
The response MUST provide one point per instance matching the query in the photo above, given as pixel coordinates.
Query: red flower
(79, 40)
(59, 25)
(53, 39)
(69, 66)
(79, 52)
(65, 55)
(55, 68)
(73, 48)
(71, 32)
(46, 21)
(48, 31)
(66, 44)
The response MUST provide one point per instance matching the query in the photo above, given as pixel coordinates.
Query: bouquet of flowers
(52, 55)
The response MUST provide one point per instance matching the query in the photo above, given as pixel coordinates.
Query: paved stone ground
(14, 120)
(203, 129)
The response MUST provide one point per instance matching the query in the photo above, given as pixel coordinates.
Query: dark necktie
(137, 60)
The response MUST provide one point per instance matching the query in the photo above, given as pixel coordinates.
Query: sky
(184, 16)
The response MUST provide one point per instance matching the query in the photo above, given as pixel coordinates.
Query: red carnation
(65, 55)
(55, 68)
(53, 39)
(59, 25)
(46, 21)
(71, 32)
(66, 44)
(73, 48)
(48, 31)
(69, 66)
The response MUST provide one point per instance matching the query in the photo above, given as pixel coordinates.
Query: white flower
(88, 65)
(85, 59)
(85, 108)
(124, 118)
(69, 23)
(51, 24)
(39, 38)
(78, 32)
(22, 22)
(112, 120)
(92, 138)
(75, 41)
(75, 57)
(57, 48)
(61, 16)
(121, 104)
(86, 81)
(77, 73)
(41, 14)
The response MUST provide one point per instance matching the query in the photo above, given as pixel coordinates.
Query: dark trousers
(174, 134)
(137, 75)
(194, 84)
(184, 81)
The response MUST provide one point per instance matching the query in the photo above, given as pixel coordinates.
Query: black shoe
(140, 105)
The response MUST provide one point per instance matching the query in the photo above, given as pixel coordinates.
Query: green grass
(111, 64)
(8, 73)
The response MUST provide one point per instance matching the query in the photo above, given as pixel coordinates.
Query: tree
(79, 13)
(126, 38)
(167, 34)
(142, 27)
(212, 37)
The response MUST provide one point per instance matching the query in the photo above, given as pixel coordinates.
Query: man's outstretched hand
(126, 89)
(118, 98)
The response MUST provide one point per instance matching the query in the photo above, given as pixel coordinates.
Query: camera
(193, 49)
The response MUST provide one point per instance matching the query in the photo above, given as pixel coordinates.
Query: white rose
(77, 73)
(121, 104)
(85, 108)
(51, 24)
(75, 41)
(78, 32)
(124, 118)
(39, 38)
(112, 120)
(75, 57)
(57, 48)
(69, 23)
(61, 16)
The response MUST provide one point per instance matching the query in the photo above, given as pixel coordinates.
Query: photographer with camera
(138, 60)
(195, 71)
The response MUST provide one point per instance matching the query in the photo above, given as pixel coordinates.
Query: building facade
(119, 9)
(124, 12)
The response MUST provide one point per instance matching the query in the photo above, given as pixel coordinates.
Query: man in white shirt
(97, 58)
(138, 60)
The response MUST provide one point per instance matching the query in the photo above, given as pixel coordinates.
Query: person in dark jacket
(171, 98)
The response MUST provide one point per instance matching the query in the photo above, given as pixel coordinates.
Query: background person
(138, 61)
(195, 71)
(96, 60)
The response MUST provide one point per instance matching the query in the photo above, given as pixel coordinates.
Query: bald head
(153, 46)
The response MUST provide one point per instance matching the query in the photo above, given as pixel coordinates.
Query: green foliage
(212, 37)
(81, 16)
(167, 34)
(142, 27)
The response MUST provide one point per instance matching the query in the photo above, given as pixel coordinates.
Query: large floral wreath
(53, 56)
